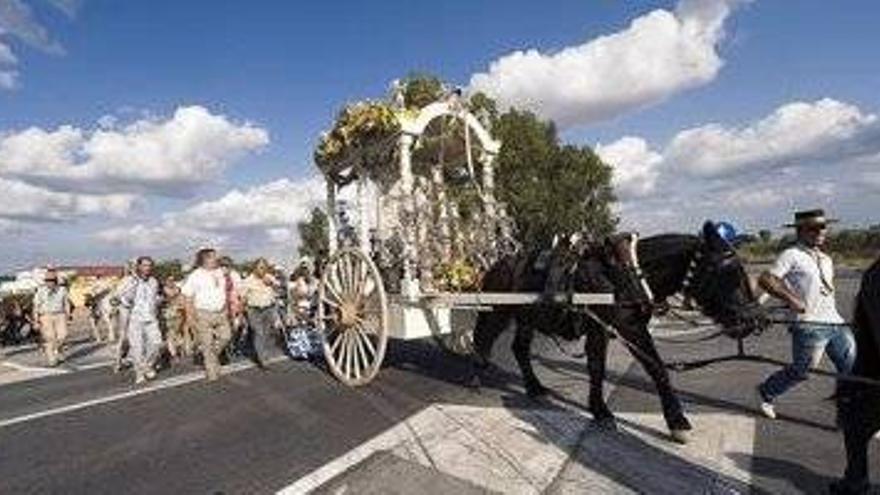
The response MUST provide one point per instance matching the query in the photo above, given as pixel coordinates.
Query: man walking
(261, 299)
(139, 296)
(803, 278)
(51, 312)
(205, 296)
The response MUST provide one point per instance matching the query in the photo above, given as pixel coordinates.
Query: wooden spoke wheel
(353, 317)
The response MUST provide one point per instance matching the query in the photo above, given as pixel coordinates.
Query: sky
(155, 127)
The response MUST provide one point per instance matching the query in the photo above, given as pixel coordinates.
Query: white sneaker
(150, 374)
(139, 379)
(765, 407)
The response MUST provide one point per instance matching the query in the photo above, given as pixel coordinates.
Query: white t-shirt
(809, 273)
(207, 288)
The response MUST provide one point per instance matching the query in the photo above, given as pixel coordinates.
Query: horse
(858, 404)
(704, 268)
(102, 313)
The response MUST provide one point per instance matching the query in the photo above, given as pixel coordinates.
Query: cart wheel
(353, 317)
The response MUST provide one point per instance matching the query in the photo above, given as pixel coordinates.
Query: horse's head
(717, 281)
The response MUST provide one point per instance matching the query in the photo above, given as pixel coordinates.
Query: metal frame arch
(417, 126)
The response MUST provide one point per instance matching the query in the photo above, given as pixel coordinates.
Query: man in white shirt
(51, 311)
(205, 296)
(803, 278)
(139, 296)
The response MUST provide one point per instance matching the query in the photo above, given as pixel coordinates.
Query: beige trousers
(53, 328)
(213, 333)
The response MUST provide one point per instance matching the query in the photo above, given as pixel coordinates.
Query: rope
(741, 356)
(668, 340)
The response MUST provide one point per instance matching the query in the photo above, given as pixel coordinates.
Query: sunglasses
(816, 228)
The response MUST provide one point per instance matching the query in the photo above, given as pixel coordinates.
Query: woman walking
(259, 294)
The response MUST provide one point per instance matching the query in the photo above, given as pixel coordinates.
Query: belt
(268, 306)
(214, 311)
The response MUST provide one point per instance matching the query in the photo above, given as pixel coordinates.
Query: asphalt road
(257, 432)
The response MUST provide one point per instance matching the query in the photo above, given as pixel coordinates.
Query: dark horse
(705, 269)
(858, 403)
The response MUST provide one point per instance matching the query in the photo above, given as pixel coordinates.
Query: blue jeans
(808, 342)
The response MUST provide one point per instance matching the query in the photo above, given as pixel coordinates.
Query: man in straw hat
(803, 278)
(51, 310)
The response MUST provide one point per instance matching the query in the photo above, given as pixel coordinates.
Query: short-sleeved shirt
(809, 273)
(257, 293)
(50, 301)
(207, 288)
(141, 297)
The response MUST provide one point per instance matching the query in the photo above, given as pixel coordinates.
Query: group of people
(210, 310)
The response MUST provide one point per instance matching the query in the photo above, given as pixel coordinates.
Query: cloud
(826, 129)
(21, 202)
(259, 219)
(801, 155)
(17, 21)
(659, 54)
(636, 168)
(155, 156)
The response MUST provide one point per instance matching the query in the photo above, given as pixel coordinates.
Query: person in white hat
(52, 309)
(803, 278)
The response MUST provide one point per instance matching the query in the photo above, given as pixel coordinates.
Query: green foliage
(355, 141)
(421, 89)
(855, 242)
(168, 268)
(549, 188)
(857, 245)
(484, 108)
(314, 235)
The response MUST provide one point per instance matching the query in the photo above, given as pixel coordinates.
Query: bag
(303, 342)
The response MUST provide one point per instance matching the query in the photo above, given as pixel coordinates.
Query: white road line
(391, 437)
(91, 366)
(39, 369)
(155, 386)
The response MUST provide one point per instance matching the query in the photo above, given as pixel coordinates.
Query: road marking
(91, 366)
(153, 387)
(38, 369)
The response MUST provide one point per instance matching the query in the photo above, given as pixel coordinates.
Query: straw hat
(810, 218)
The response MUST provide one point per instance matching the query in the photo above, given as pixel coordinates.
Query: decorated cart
(420, 226)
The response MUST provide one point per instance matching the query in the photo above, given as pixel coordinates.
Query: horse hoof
(680, 436)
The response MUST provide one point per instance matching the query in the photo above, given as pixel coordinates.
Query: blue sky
(285, 68)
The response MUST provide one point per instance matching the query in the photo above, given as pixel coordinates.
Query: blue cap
(727, 231)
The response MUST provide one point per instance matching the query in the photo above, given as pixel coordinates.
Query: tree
(549, 188)
(168, 268)
(314, 235)
(765, 235)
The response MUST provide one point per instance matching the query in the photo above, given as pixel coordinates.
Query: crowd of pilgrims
(211, 315)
